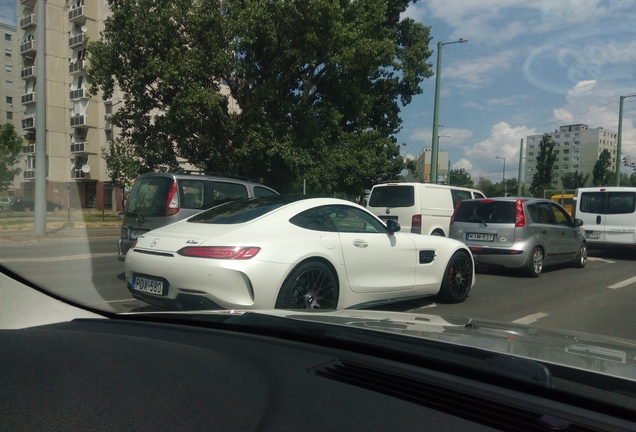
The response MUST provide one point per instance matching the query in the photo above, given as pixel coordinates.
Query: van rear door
(608, 216)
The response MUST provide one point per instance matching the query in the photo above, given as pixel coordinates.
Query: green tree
(461, 177)
(281, 91)
(602, 175)
(10, 148)
(542, 179)
(485, 186)
(574, 180)
(632, 179)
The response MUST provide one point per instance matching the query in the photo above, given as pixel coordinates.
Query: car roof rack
(217, 174)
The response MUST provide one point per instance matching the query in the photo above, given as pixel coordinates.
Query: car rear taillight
(455, 212)
(416, 224)
(220, 252)
(520, 216)
(172, 206)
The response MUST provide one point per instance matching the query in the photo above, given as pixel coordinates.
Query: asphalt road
(597, 299)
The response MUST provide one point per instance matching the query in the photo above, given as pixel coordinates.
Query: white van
(608, 215)
(421, 208)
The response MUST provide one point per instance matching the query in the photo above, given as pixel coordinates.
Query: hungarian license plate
(149, 285)
(480, 237)
(593, 235)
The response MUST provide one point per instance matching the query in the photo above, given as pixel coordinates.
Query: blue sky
(7, 11)
(528, 67)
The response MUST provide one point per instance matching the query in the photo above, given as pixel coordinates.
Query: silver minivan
(159, 199)
(521, 233)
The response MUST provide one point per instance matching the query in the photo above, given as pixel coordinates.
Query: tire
(534, 267)
(581, 256)
(458, 278)
(311, 285)
(438, 233)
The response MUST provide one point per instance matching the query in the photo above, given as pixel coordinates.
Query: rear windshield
(148, 196)
(608, 202)
(392, 196)
(486, 211)
(236, 212)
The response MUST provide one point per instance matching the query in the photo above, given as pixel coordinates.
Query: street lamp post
(438, 78)
(503, 178)
(620, 138)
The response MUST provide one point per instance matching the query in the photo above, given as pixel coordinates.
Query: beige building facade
(577, 148)
(77, 126)
(424, 166)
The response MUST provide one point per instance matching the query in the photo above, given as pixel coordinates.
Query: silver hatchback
(522, 233)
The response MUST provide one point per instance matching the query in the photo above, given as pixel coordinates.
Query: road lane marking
(57, 258)
(600, 259)
(530, 318)
(623, 283)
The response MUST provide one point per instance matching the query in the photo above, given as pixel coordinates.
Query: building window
(575, 167)
(8, 84)
(7, 52)
(9, 115)
(567, 143)
(577, 134)
(567, 135)
(8, 68)
(7, 36)
(565, 159)
(531, 154)
(557, 136)
(531, 146)
(9, 100)
(109, 135)
(556, 152)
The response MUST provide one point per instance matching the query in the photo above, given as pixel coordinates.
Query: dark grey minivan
(159, 199)
(523, 233)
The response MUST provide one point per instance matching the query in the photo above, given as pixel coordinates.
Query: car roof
(186, 174)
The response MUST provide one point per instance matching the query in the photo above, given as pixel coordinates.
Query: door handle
(598, 220)
(360, 243)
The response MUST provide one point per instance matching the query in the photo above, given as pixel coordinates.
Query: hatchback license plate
(151, 286)
(593, 235)
(480, 237)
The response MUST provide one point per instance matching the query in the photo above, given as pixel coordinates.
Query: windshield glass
(144, 145)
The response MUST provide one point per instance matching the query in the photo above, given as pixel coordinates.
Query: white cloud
(463, 163)
(455, 136)
(504, 141)
(473, 72)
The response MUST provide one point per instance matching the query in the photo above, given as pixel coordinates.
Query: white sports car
(293, 252)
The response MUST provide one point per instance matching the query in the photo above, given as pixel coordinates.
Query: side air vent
(427, 256)
(488, 412)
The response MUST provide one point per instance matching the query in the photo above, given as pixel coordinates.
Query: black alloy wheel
(311, 285)
(458, 278)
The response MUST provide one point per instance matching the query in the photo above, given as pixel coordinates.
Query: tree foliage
(277, 90)
(542, 179)
(10, 148)
(461, 177)
(574, 180)
(602, 175)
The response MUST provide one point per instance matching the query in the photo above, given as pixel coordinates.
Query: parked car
(159, 199)
(27, 204)
(609, 215)
(420, 208)
(293, 252)
(523, 233)
(6, 202)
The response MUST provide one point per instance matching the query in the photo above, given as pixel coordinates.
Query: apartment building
(577, 148)
(424, 166)
(77, 126)
(10, 106)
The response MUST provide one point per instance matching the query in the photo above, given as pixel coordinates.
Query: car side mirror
(577, 223)
(392, 226)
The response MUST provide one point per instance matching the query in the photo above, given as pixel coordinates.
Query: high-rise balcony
(27, 73)
(28, 149)
(28, 48)
(76, 14)
(28, 98)
(28, 123)
(76, 68)
(79, 147)
(27, 21)
(29, 174)
(77, 40)
(28, 3)
(77, 94)
(78, 121)
(78, 174)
